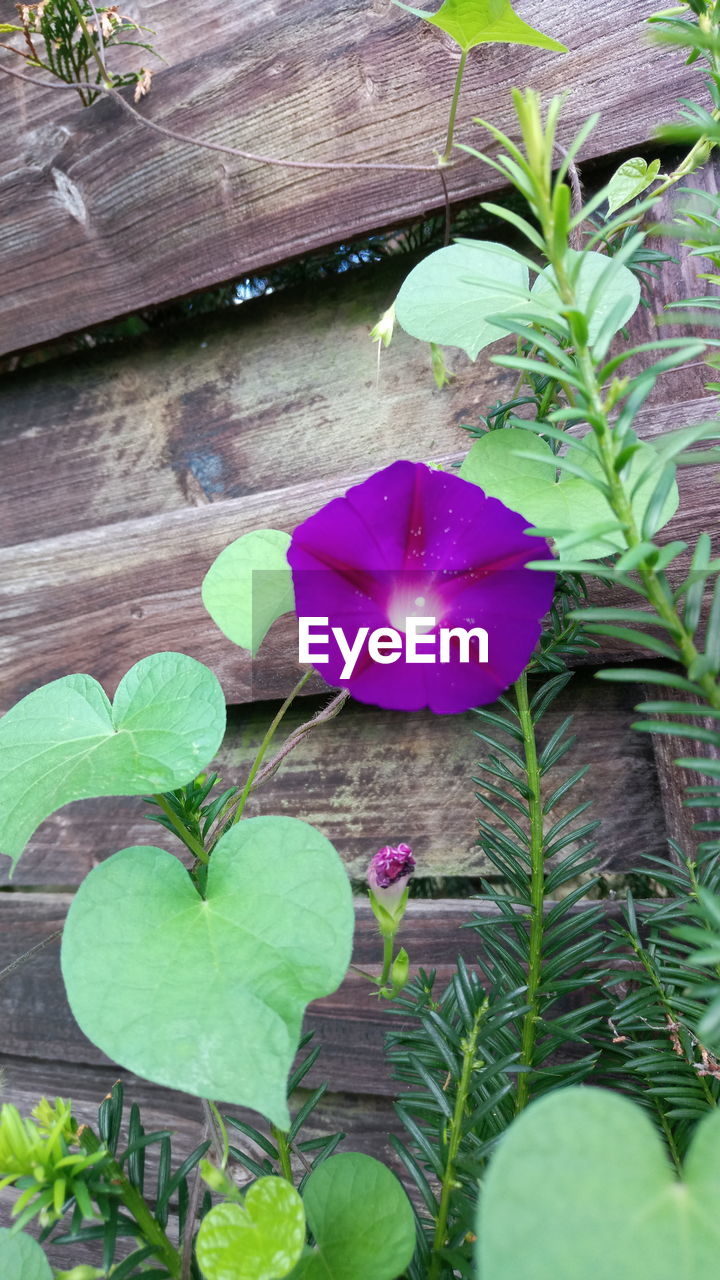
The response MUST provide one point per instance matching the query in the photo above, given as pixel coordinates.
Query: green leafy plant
(200, 981)
(65, 38)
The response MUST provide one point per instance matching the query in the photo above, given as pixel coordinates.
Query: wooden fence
(126, 469)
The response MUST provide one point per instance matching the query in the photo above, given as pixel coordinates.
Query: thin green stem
(669, 1137)
(284, 1150)
(469, 1050)
(235, 812)
(445, 157)
(370, 977)
(106, 78)
(181, 831)
(537, 892)
(388, 944)
(134, 1202)
(619, 500)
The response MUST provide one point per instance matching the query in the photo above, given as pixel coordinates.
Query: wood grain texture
(101, 216)
(373, 777)
(282, 391)
(350, 1025)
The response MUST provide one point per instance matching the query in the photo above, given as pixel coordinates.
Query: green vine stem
(445, 157)
(537, 892)
(469, 1064)
(284, 1149)
(235, 811)
(150, 1228)
(388, 946)
(106, 86)
(619, 501)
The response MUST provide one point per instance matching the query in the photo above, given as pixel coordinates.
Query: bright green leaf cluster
(38, 1152)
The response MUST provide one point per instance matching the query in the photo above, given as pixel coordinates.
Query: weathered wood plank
(373, 777)
(350, 1025)
(284, 390)
(183, 419)
(99, 600)
(86, 192)
(178, 420)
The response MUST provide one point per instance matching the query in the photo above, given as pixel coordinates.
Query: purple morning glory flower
(388, 577)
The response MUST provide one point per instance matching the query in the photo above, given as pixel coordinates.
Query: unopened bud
(217, 1180)
(388, 877)
(389, 873)
(399, 971)
(383, 330)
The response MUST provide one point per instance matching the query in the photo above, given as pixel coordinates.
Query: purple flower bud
(389, 873)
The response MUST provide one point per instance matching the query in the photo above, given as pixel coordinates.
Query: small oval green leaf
(361, 1219)
(629, 181)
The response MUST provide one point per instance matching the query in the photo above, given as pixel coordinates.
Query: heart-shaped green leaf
(260, 1239)
(207, 994)
(610, 288)
(448, 297)
(21, 1257)
(581, 1186)
(474, 22)
(249, 586)
(361, 1219)
(629, 181)
(569, 505)
(67, 742)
